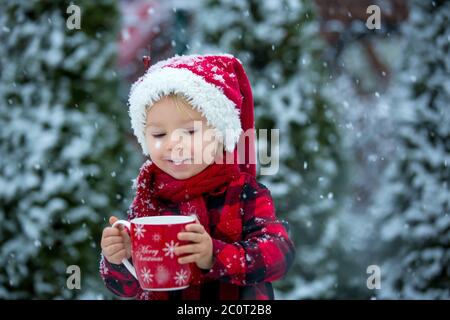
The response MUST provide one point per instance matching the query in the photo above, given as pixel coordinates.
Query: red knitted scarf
(158, 193)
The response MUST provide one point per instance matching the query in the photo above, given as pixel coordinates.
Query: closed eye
(160, 135)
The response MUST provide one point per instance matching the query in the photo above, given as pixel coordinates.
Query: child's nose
(174, 144)
(176, 141)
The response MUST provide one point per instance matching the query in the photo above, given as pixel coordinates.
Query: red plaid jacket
(242, 270)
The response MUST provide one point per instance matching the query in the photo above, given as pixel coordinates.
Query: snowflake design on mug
(169, 249)
(156, 237)
(139, 231)
(181, 277)
(146, 275)
(162, 275)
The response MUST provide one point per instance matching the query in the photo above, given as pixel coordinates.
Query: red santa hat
(216, 85)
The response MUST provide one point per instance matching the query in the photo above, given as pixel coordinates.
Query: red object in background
(142, 22)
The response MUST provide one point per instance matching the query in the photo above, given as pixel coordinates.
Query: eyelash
(157, 136)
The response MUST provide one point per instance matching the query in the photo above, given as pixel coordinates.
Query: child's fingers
(109, 232)
(192, 258)
(124, 234)
(112, 240)
(190, 248)
(114, 248)
(195, 227)
(190, 236)
(112, 219)
(119, 255)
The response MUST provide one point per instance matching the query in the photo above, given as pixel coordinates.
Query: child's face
(175, 134)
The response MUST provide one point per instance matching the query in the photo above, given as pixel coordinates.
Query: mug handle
(125, 261)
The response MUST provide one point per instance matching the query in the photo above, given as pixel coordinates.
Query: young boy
(237, 244)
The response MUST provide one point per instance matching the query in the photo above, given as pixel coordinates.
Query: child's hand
(202, 249)
(116, 243)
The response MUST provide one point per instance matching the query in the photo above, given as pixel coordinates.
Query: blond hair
(179, 99)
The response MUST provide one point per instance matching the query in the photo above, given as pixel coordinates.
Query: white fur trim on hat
(208, 99)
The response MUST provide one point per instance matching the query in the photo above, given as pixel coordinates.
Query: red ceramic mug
(153, 240)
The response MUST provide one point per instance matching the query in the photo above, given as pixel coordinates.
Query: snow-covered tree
(413, 206)
(65, 160)
(279, 45)
(367, 141)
